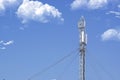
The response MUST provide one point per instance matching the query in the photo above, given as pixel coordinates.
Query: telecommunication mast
(83, 43)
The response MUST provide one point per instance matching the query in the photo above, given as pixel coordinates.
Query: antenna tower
(83, 43)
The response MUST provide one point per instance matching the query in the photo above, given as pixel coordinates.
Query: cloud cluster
(90, 4)
(6, 3)
(37, 11)
(111, 34)
(32, 10)
(4, 44)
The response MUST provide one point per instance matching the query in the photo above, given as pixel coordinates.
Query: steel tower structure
(83, 43)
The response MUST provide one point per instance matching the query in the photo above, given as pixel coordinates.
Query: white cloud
(90, 4)
(6, 3)
(111, 34)
(78, 3)
(116, 13)
(3, 48)
(95, 4)
(8, 43)
(1, 41)
(37, 11)
(4, 44)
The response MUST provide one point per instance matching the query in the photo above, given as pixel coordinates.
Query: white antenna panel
(82, 37)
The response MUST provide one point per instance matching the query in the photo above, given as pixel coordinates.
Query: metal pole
(82, 65)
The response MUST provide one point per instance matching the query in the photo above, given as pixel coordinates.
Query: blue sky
(36, 33)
